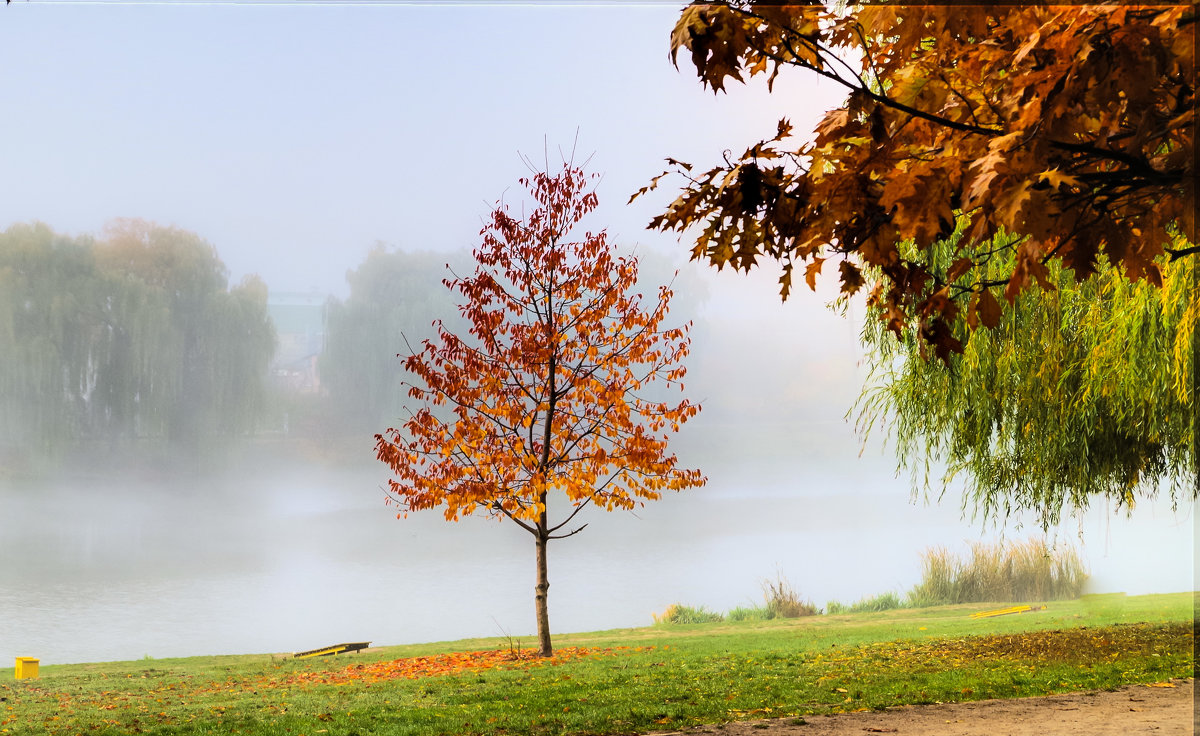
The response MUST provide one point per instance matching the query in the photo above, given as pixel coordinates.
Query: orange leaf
(811, 271)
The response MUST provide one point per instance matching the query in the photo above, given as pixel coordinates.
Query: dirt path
(1133, 710)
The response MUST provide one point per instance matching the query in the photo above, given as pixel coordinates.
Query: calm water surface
(311, 557)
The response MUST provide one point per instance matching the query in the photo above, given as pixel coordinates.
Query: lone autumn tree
(545, 402)
(1070, 125)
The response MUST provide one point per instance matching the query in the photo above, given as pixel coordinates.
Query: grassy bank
(627, 680)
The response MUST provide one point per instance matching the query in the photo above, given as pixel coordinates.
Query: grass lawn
(626, 680)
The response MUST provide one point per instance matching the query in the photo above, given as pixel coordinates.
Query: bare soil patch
(1135, 710)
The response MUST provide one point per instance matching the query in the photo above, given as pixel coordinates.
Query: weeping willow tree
(1083, 392)
(197, 349)
(51, 317)
(135, 337)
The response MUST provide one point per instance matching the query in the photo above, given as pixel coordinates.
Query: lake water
(310, 556)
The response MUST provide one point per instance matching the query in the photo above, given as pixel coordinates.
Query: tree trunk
(541, 592)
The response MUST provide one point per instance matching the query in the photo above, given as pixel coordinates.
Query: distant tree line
(135, 341)
(136, 336)
(395, 298)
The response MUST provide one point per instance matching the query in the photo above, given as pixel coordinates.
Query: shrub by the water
(784, 602)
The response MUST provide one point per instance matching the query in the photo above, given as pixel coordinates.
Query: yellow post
(27, 668)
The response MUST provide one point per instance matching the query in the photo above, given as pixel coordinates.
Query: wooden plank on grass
(1006, 611)
(333, 649)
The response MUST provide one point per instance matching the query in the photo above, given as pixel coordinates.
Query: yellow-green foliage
(1083, 391)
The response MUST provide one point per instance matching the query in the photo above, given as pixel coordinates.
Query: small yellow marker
(27, 668)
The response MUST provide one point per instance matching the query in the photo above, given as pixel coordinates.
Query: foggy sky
(294, 137)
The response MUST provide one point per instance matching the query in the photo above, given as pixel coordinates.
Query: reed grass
(871, 604)
(1031, 570)
(748, 613)
(780, 600)
(783, 600)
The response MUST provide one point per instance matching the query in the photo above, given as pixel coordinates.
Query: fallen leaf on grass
(1079, 645)
(1160, 684)
(409, 668)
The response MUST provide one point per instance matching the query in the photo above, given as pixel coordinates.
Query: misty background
(282, 185)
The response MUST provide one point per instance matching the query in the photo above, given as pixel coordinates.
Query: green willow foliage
(135, 337)
(1083, 392)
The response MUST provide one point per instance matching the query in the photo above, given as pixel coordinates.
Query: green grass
(749, 613)
(678, 613)
(882, 602)
(670, 677)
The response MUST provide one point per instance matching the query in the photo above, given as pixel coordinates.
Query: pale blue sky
(293, 137)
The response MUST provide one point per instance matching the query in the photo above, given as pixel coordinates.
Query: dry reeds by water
(1031, 570)
(1028, 571)
(783, 601)
(780, 600)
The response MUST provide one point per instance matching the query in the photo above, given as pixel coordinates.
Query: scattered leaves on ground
(665, 686)
(439, 664)
(128, 699)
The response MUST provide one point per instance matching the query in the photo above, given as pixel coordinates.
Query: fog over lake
(314, 558)
(276, 553)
